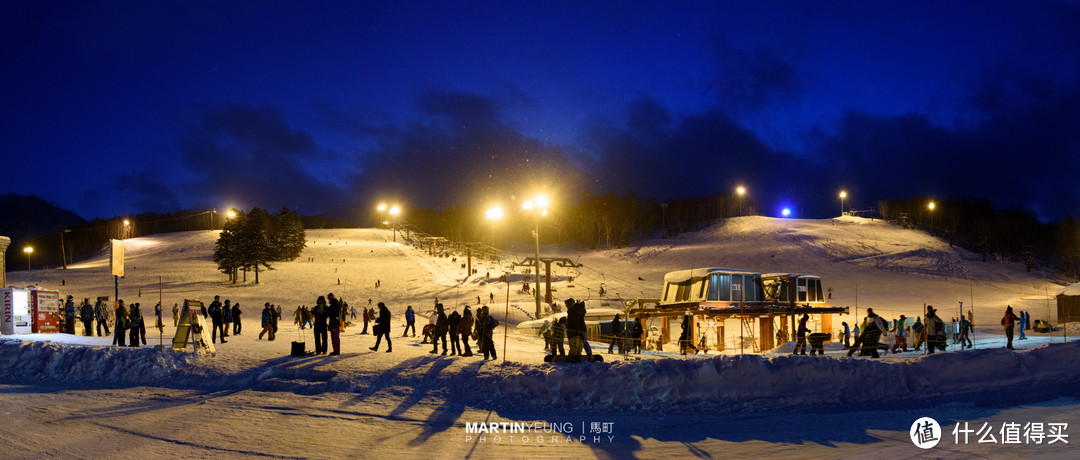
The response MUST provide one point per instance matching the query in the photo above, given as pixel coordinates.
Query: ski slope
(367, 403)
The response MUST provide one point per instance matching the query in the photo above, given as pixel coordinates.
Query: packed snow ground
(262, 402)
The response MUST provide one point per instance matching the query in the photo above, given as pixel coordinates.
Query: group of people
(934, 332)
(460, 327)
(128, 326)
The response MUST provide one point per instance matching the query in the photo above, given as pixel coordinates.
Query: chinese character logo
(925, 433)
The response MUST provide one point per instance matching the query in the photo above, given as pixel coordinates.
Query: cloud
(251, 156)
(460, 151)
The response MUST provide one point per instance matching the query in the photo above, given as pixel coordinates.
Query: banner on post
(116, 257)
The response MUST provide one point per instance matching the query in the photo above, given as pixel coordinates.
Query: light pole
(843, 194)
(382, 212)
(931, 218)
(740, 191)
(127, 227)
(494, 214)
(394, 211)
(28, 250)
(538, 206)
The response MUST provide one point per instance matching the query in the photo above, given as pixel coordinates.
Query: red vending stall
(45, 309)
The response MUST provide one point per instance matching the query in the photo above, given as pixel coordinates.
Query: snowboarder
(440, 330)
(382, 328)
(453, 323)
(1009, 322)
(465, 329)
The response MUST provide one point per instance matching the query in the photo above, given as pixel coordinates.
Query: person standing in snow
(1023, 324)
(934, 330)
(320, 314)
(333, 319)
(453, 324)
(465, 329)
(214, 310)
(87, 316)
(847, 335)
(917, 330)
(267, 322)
(352, 313)
(226, 319)
(639, 330)
(872, 333)
(382, 328)
(367, 318)
(1009, 322)
(236, 318)
(176, 314)
(101, 312)
(137, 328)
(616, 334)
(120, 329)
(965, 333)
(800, 336)
(440, 330)
(410, 321)
(487, 325)
(686, 342)
(901, 335)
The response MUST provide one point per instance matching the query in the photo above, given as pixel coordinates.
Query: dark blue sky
(112, 108)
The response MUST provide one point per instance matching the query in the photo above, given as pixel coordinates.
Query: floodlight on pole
(394, 211)
(493, 214)
(740, 191)
(29, 250)
(843, 194)
(931, 206)
(538, 206)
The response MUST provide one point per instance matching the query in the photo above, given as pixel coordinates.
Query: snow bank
(722, 384)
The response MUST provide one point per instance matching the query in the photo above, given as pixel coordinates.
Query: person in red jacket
(1008, 321)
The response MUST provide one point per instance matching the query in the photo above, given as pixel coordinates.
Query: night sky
(121, 107)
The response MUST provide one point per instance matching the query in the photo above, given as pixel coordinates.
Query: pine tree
(254, 242)
(287, 236)
(227, 253)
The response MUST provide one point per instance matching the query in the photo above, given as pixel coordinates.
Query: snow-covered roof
(685, 275)
(1070, 290)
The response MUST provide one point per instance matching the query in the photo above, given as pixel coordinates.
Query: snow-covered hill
(867, 263)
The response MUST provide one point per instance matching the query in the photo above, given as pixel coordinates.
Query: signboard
(116, 257)
(191, 330)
